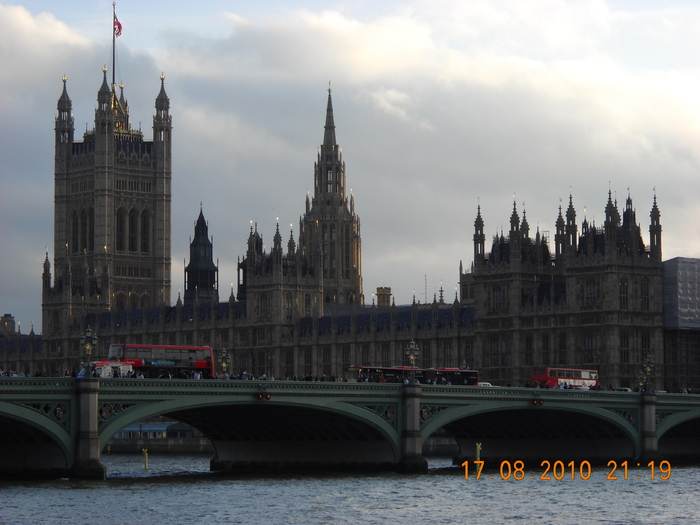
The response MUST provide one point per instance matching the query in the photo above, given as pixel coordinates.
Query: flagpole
(114, 43)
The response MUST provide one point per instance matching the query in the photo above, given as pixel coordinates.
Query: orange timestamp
(559, 470)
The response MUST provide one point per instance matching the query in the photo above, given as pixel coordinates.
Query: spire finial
(329, 87)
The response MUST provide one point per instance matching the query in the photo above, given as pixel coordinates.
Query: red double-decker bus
(551, 377)
(153, 361)
(400, 374)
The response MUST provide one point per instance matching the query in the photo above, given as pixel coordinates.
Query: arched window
(83, 231)
(624, 299)
(644, 295)
(121, 302)
(75, 232)
(133, 230)
(91, 230)
(121, 230)
(590, 292)
(145, 232)
(289, 306)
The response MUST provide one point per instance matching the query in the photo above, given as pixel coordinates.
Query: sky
(440, 106)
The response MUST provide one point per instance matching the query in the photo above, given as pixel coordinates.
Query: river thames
(180, 490)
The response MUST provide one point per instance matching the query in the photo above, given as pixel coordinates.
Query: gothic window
(447, 355)
(264, 311)
(289, 306)
(624, 301)
(644, 340)
(427, 353)
(562, 349)
(329, 187)
(644, 295)
(243, 363)
(386, 354)
(145, 232)
(133, 230)
(75, 232)
(591, 343)
(307, 305)
(83, 231)
(494, 358)
(497, 298)
(332, 251)
(365, 355)
(121, 229)
(91, 230)
(346, 255)
(469, 354)
(624, 347)
(590, 292)
(324, 246)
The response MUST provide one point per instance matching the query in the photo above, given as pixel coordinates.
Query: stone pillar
(87, 442)
(649, 441)
(412, 459)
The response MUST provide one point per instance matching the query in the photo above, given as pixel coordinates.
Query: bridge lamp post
(88, 341)
(223, 360)
(412, 352)
(647, 368)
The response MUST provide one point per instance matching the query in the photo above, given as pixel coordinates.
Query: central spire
(329, 131)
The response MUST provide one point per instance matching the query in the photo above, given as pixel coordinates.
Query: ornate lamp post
(223, 360)
(88, 341)
(647, 369)
(412, 352)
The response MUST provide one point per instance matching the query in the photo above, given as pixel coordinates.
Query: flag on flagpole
(117, 26)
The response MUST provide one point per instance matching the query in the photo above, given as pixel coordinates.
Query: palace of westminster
(596, 298)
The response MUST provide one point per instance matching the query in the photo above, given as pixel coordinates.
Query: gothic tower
(201, 282)
(112, 216)
(330, 230)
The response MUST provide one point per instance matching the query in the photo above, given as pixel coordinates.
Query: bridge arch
(678, 434)
(29, 440)
(553, 431)
(247, 430)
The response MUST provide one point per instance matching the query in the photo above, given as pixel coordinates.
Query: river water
(181, 490)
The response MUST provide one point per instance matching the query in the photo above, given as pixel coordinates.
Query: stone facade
(112, 220)
(594, 302)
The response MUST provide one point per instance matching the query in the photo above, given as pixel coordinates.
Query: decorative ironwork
(110, 410)
(428, 412)
(387, 412)
(629, 414)
(58, 412)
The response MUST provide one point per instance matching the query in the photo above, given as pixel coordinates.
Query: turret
(571, 228)
(655, 232)
(201, 273)
(560, 235)
(479, 237)
(64, 125)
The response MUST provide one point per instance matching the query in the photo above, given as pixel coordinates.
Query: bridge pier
(649, 442)
(412, 460)
(87, 441)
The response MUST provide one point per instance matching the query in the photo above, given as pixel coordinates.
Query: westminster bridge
(59, 426)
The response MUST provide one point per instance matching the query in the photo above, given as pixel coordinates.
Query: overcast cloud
(439, 106)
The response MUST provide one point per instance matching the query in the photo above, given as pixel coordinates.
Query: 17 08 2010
(559, 470)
